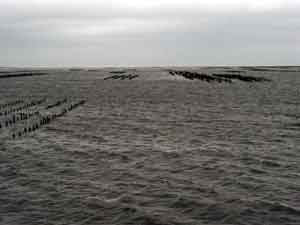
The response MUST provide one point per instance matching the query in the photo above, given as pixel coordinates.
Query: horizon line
(132, 66)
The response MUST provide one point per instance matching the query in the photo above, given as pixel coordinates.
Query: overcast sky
(149, 32)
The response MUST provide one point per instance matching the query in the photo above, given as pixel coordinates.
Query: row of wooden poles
(9, 104)
(44, 120)
(16, 118)
(24, 116)
(28, 105)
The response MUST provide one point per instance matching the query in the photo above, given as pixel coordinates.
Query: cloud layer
(146, 33)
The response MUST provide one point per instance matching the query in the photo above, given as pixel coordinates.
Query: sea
(148, 147)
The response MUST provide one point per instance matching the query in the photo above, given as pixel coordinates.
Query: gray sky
(149, 32)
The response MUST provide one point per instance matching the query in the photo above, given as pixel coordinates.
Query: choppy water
(156, 150)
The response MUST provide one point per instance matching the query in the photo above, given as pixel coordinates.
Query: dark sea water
(155, 150)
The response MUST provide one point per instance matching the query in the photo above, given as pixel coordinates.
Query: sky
(97, 33)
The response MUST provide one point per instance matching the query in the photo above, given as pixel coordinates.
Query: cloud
(174, 28)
